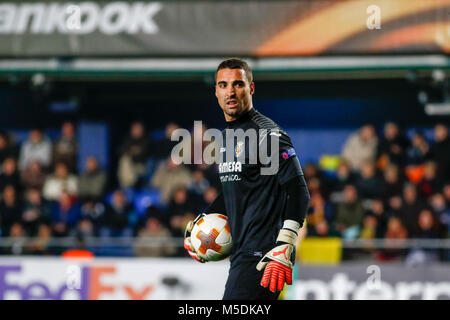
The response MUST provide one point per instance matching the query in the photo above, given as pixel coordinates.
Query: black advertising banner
(210, 28)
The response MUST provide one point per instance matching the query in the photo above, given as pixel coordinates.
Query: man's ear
(252, 88)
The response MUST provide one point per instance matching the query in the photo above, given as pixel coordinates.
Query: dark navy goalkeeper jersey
(255, 203)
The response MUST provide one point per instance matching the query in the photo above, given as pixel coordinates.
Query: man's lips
(232, 103)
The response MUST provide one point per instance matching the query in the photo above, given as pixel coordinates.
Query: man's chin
(233, 112)
(233, 115)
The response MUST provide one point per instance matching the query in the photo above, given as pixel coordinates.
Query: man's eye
(222, 85)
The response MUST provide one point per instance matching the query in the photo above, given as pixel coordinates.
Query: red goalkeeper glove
(187, 239)
(278, 262)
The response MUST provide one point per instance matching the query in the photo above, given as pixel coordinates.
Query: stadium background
(322, 70)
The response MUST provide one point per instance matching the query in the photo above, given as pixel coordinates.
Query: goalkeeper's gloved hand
(279, 261)
(187, 239)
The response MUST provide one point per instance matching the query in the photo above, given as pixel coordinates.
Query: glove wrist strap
(287, 236)
(289, 232)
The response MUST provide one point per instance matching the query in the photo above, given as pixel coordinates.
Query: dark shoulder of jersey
(279, 151)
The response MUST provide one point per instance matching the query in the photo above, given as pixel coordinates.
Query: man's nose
(231, 95)
(231, 91)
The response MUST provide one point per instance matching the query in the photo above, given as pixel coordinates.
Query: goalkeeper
(265, 212)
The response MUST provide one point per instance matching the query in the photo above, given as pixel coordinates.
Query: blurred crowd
(385, 186)
(43, 195)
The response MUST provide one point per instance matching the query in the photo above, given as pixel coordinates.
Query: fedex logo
(90, 286)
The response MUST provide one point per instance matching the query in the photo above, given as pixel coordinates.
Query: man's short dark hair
(236, 63)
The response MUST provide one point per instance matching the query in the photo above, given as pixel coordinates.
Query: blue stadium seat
(146, 198)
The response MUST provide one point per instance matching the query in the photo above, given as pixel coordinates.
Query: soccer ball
(211, 238)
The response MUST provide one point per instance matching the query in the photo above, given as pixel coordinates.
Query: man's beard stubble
(237, 113)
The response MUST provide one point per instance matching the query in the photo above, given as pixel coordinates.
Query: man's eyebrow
(234, 82)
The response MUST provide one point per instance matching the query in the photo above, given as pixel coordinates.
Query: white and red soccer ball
(211, 237)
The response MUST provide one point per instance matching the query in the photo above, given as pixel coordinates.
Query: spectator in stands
(92, 181)
(368, 184)
(93, 210)
(10, 210)
(66, 147)
(377, 210)
(395, 231)
(208, 198)
(176, 224)
(16, 243)
(426, 227)
(392, 146)
(211, 173)
(33, 176)
(393, 182)
(170, 176)
(154, 229)
(7, 147)
(350, 213)
(133, 152)
(437, 203)
(198, 186)
(60, 181)
(419, 151)
(65, 214)
(180, 203)
(344, 176)
(319, 209)
(312, 171)
(35, 212)
(9, 174)
(37, 147)
(394, 205)
(115, 221)
(440, 151)
(411, 207)
(84, 228)
(314, 185)
(40, 245)
(368, 231)
(429, 183)
(199, 183)
(446, 193)
(323, 229)
(360, 146)
(161, 149)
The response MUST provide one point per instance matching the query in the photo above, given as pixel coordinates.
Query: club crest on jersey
(238, 149)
